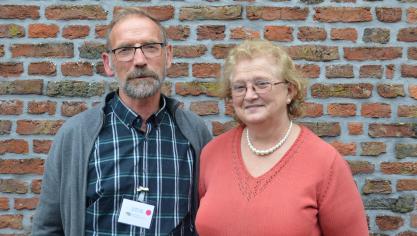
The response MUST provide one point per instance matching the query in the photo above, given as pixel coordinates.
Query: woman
(270, 176)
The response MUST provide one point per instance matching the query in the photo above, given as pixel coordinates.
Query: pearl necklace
(269, 150)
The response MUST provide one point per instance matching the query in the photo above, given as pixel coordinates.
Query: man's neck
(144, 107)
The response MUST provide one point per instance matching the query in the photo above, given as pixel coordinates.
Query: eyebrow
(124, 45)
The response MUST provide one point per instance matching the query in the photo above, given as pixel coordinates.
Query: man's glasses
(259, 87)
(149, 50)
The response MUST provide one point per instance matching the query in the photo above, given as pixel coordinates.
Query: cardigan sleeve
(341, 210)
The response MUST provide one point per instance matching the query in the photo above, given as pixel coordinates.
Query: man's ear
(169, 55)
(107, 64)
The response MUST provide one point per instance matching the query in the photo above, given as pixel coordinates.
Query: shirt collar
(130, 118)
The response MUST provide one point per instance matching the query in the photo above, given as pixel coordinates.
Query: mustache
(142, 72)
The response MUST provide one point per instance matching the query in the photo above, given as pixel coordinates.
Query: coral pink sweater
(310, 191)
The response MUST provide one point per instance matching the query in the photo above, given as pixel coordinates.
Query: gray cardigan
(62, 206)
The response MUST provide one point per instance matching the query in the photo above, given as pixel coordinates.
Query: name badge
(136, 213)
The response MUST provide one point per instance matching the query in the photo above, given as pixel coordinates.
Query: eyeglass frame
(136, 48)
(270, 84)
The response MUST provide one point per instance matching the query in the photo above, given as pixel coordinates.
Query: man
(130, 167)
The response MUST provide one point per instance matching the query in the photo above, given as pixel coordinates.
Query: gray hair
(132, 11)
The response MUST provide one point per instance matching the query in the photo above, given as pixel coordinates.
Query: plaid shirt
(125, 158)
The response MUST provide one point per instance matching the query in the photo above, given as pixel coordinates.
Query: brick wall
(360, 57)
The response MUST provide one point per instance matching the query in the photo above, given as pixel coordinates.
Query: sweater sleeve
(341, 210)
(47, 220)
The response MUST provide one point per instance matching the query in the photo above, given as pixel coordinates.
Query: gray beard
(141, 88)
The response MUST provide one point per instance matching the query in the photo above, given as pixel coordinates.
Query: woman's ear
(107, 64)
(292, 92)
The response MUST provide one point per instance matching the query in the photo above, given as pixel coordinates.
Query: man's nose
(139, 58)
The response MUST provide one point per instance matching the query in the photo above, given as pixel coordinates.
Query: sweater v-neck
(249, 185)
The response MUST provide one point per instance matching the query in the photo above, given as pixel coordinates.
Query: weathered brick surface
(359, 58)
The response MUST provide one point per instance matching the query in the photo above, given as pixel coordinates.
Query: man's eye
(124, 50)
(152, 46)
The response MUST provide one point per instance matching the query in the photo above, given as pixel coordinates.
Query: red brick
(11, 221)
(278, 33)
(276, 13)
(178, 70)
(244, 33)
(412, 15)
(407, 233)
(370, 71)
(390, 90)
(77, 69)
(60, 50)
(412, 53)
(101, 31)
(161, 13)
(231, 12)
(349, 34)
(41, 107)
(341, 109)
(389, 71)
(355, 128)
(312, 109)
(25, 203)
(48, 127)
(99, 69)
(379, 186)
(324, 129)
(343, 14)
(389, 222)
(43, 30)
(4, 204)
(339, 71)
(181, 51)
(389, 15)
(11, 69)
(11, 31)
(376, 110)
(311, 34)
(178, 32)
(407, 111)
(41, 146)
(407, 34)
(166, 88)
(19, 12)
(401, 168)
(42, 68)
(372, 53)
(197, 88)
(345, 149)
(219, 128)
(73, 108)
(36, 186)
(206, 70)
(414, 221)
(412, 89)
(75, 12)
(1, 50)
(5, 126)
(373, 148)
(13, 186)
(409, 71)
(11, 107)
(361, 167)
(21, 87)
(362, 90)
(21, 166)
(220, 51)
(75, 31)
(204, 108)
(403, 130)
(407, 185)
(309, 70)
(18, 146)
(313, 53)
(213, 32)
